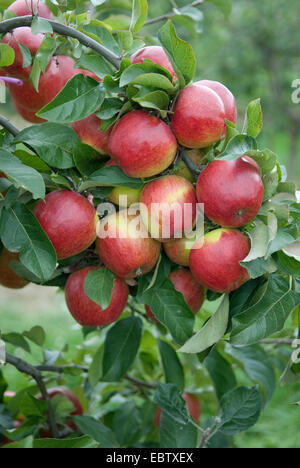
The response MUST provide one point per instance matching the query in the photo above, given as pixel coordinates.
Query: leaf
(6, 421)
(241, 409)
(25, 443)
(285, 236)
(121, 347)
(214, 329)
(110, 108)
(174, 435)
(36, 335)
(170, 308)
(95, 367)
(87, 160)
(40, 25)
(127, 423)
(21, 232)
(254, 118)
(268, 315)
(98, 286)
(154, 100)
(55, 144)
(257, 366)
(139, 15)
(259, 267)
(17, 340)
(237, 147)
(173, 369)
(27, 58)
(288, 264)
(102, 33)
(169, 399)
(45, 52)
(32, 160)
(180, 53)
(95, 64)
(132, 74)
(81, 97)
(79, 442)
(21, 175)
(266, 159)
(7, 55)
(220, 371)
(259, 237)
(96, 430)
(224, 5)
(113, 176)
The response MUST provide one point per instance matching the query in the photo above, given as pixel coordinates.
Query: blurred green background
(254, 50)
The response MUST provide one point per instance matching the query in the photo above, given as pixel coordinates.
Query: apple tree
(182, 347)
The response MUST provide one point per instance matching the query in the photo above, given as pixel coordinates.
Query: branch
(5, 123)
(141, 383)
(28, 369)
(63, 30)
(195, 170)
(172, 13)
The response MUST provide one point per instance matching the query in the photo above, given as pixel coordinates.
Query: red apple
(194, 408)
(29, 7)
(8, 277)
(142, 144)
(118, 194)
(87, 312)
(199, 117)
(157, 55)
(125, 247)
(89, 132)
(232, 191)
(215, 261)
(226, 96)
(178, 250)
(69, 220)
(168, 207)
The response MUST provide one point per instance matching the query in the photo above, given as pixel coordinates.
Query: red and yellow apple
(157, 55)
(30, 7)
(226, 96)
(8, 277)
(89, 132)
(178, 250)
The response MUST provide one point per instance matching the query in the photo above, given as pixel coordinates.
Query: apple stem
(195, 170)
(10, 80)
(21, 21)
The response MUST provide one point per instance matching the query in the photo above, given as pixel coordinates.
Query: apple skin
(87, 312)
(194, 408)
(89, 132)
(168, 190)
(133, 195)
(232, 191)
(69, 220)
(178, 250)
(199, 117)
(226, 96)
(216, 264)
(125, 252)
(8, 277)
(24, 7)
(157, 55)
(142, 144)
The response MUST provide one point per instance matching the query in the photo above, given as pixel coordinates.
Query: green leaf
(288, 264)
(237, 147)
(7, 55)
(257, 366)
(27, 58)
(268, 314)
(221, 373)
(180, 53)
(81, 97)
(37, 335)
(174, 435)
(121, 347)
(260, 266)
(21, 232)
(25, 443)
(32, 160)
(172, 366)
(35, 74)
(54, 143)
(6, 421)
(21, 175)
(170, 308)
(95, 64)
(224, 5)
(96, 430)
(101, 33)
(127, 423)
(17, 340)
(214, 329)
(241, 409)
(132, 74)
(285, 236)
(40, 25)
(110, 108)
(87, 160)
(113, 176)
(139, 15)
(98, 286)
(169, 399)
(266, 160)
(79, 442)
(45, 52)
(254, 118)
(152, 100)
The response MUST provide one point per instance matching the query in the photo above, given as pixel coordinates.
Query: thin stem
(5, 123)
(195, 170)
(141, 383)
(21, 21)
(28, 369)
(172, 13)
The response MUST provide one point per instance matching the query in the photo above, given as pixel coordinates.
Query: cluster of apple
(144, 146)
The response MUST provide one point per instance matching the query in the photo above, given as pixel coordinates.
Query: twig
(21, 21)
(205, 438)
(195, 170)
(141, 383)
(5, 123)
(172, 13)
(28, 369)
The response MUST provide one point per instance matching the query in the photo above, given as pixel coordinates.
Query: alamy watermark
(296, 353)
(2, 92)
(296, 93)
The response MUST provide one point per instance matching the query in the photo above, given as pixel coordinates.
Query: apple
(124, 245)
(8, 277)
(87, 312)
(118, 193)
(142, 144)
(199, 117)
(157, 55)
(89, 132)
(168, 207)
(232, 191)
(69, 220)
(29, 7)
(194, 408)
(226, 96)
(178, 250)
(215, 260)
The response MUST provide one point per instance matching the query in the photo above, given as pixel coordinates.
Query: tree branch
(63, 30)
(28, 369)
(195, 170)
(172, 13)
(5, 123)
(140, 383)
